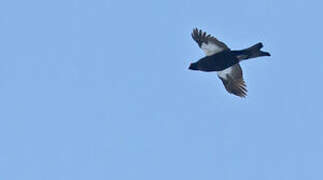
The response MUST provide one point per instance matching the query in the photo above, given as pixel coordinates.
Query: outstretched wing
(209, 44)
(233, 80)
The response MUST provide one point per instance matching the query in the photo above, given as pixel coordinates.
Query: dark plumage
(217, 62)
(224, 61)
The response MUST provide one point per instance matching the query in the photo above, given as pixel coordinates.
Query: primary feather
(209, 44)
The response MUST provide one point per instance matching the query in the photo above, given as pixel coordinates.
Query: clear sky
(100, 90)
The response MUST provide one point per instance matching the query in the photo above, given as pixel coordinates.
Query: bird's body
(217, 62)
(224, 61)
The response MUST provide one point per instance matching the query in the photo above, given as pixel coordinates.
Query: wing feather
(233, 80)
(209, 44)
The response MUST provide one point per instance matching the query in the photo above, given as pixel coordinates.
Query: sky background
(100, 90)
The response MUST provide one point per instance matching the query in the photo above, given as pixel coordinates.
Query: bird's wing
(233, 80)
(209, 44)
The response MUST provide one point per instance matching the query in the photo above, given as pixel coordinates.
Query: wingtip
(240, 95)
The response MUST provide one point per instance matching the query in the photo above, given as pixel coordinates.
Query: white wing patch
(223, 74)
(210, 48)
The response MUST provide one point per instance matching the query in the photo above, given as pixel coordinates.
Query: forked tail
(251, 52)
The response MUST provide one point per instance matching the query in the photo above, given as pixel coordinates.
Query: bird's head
(193, 66)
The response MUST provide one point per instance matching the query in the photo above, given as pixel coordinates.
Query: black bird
(224, 61)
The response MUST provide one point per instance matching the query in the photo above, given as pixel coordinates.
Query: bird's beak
(192, 67)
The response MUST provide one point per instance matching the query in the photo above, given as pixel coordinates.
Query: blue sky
(100, 90)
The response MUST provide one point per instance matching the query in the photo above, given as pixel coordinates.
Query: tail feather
(251, 52)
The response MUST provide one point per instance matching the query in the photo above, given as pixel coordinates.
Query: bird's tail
(251, 52)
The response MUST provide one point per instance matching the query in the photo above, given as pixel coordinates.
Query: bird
(224, 61)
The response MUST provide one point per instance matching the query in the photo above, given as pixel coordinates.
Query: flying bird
(221, 59)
